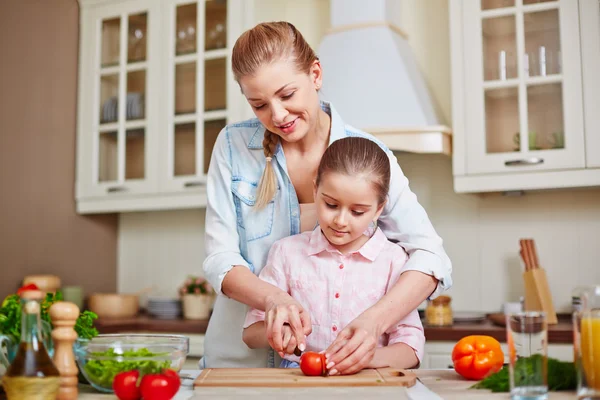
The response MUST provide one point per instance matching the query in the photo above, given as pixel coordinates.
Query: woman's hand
(282, 309)
(354, 347)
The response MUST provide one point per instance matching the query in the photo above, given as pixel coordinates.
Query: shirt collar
(370, 250)
(337, 129)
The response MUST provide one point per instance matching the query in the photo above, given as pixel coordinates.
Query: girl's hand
(289, 341)
(280, 309)
(354, 347)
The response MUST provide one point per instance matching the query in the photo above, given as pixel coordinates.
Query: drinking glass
(586, 330)
(527, 339)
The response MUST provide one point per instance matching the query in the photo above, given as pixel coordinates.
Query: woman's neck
(315, 138)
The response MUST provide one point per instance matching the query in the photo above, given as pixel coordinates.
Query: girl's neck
(352, 246)
(315, 138)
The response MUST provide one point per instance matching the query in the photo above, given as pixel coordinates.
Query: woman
(260, 189)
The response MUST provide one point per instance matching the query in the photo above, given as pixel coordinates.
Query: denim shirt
(238, 234)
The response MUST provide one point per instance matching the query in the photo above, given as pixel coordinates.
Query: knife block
(537, 294)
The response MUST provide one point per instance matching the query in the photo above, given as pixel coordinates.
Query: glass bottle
(439, 312)
(32, 375)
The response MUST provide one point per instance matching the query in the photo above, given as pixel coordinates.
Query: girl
(336, 271)
(260, 190)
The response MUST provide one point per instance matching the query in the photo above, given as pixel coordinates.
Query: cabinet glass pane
(215, 89)
(502, 120)
(186, 29)
(135, 143)
(185, 88)
(499, 48)
(110, 42)
(211, 131)
(215, 33)
(136, 41)
(136, 95)
(109, 98)
(542, 43)
(185, 149)
(491, 4)
(107, 157)
(545, 117)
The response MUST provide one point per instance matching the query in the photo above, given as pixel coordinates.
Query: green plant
(10, 317)
(196, 285)
(561, 375)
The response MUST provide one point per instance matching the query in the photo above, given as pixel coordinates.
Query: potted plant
(198, 297)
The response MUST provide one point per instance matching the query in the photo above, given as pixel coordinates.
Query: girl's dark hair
(356, 156)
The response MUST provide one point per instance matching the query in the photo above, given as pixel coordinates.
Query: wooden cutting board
(293, 377)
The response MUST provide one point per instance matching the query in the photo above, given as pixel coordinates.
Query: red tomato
(125, 385)
(31, 286)
(160, 386)
(313, 364)
(477, 356)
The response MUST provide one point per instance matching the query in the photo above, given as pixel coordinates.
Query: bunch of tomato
(161, 386)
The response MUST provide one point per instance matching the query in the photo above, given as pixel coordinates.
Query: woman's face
(284, 100)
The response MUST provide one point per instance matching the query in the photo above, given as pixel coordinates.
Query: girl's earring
(373, 227)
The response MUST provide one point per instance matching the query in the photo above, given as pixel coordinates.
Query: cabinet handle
(194, 184)
(524, 161)
(115, 189)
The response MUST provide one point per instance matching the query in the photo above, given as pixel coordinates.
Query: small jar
(439, 312)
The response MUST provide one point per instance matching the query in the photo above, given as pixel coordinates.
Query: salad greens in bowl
(104, 356)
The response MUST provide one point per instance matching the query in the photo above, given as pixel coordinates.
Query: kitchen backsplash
(481, 236)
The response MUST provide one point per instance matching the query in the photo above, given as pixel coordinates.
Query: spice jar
(439, 312)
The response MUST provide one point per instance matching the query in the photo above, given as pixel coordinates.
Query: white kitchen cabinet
(439, 354)
(589, 11)
(520, 121)
(155, 89)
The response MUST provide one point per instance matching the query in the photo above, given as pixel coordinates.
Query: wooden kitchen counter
(559, 333)
(145, 323)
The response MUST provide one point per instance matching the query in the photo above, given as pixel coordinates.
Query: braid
(268, 180)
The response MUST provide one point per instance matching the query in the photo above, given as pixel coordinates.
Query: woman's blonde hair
(266, 43)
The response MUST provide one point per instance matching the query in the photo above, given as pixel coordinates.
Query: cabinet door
(590, 49)
(197, 81)
(523, 86)
(118, 112)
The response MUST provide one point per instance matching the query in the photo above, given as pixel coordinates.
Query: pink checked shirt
(336, 288)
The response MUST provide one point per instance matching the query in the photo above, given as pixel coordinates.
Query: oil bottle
(32, 375)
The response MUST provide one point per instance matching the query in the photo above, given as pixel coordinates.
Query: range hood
(373, 81)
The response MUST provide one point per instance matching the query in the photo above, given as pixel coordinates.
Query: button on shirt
(336, 288)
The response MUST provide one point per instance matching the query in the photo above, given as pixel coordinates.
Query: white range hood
(373, 81)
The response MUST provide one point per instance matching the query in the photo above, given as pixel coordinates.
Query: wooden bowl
(114, 305)
(498, 319)
(46, 283)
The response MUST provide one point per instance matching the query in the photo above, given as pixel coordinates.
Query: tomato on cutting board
(125, 385)
(477, 356)
(313, 364)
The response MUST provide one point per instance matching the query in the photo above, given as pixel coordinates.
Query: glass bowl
(104, 356)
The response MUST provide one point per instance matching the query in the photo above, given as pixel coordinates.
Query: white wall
(481, 232)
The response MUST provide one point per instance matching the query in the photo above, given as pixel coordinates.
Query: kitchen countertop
(433, 384)
(559, 333)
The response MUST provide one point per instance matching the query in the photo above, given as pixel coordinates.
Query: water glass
(527, 339)
(586, 330)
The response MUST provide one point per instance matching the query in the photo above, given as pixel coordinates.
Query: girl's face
(346, 205)
(284, 100)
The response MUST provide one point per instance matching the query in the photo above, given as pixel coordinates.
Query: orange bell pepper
(475, 357)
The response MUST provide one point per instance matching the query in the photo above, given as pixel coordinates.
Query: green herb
(102, 372)
(561, 375)
(10, 317)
